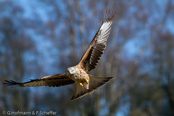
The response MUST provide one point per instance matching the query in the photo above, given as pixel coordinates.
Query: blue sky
(132, 47)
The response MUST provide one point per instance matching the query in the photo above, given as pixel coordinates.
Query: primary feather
(95, 50)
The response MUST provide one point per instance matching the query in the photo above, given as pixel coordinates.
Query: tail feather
(94, 83)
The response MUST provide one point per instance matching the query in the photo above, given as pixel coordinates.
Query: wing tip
(12, 83)
(110, 11)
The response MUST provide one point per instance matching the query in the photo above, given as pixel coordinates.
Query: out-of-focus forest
(40, 38)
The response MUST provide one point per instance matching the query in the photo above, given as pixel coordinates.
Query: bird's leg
(81, 84)
(87, 80)
(85, 84)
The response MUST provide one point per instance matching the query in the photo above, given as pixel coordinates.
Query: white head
(71, 70)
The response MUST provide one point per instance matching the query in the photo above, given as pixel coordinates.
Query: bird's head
(71, 70)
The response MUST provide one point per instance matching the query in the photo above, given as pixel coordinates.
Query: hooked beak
(70, 72)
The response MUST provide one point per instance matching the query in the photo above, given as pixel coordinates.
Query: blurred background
(45, 37)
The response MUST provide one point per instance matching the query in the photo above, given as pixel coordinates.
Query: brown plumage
(78, 74)
(50, 81)
(97, 46)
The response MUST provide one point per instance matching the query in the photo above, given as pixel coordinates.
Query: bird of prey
(84, 83)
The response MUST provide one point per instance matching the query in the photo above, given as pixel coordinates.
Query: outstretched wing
(95, 82)
(50, 81)
(96, 48)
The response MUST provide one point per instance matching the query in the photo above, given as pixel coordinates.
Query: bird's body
(84, 82)
(79, 76)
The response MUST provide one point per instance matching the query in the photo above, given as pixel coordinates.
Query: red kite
(84, 82)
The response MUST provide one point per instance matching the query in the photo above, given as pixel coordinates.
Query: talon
(81, 84)
(87, 80)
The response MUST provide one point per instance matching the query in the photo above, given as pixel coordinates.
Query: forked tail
(94, 83)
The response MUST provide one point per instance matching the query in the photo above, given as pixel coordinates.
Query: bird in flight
(84, 83)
